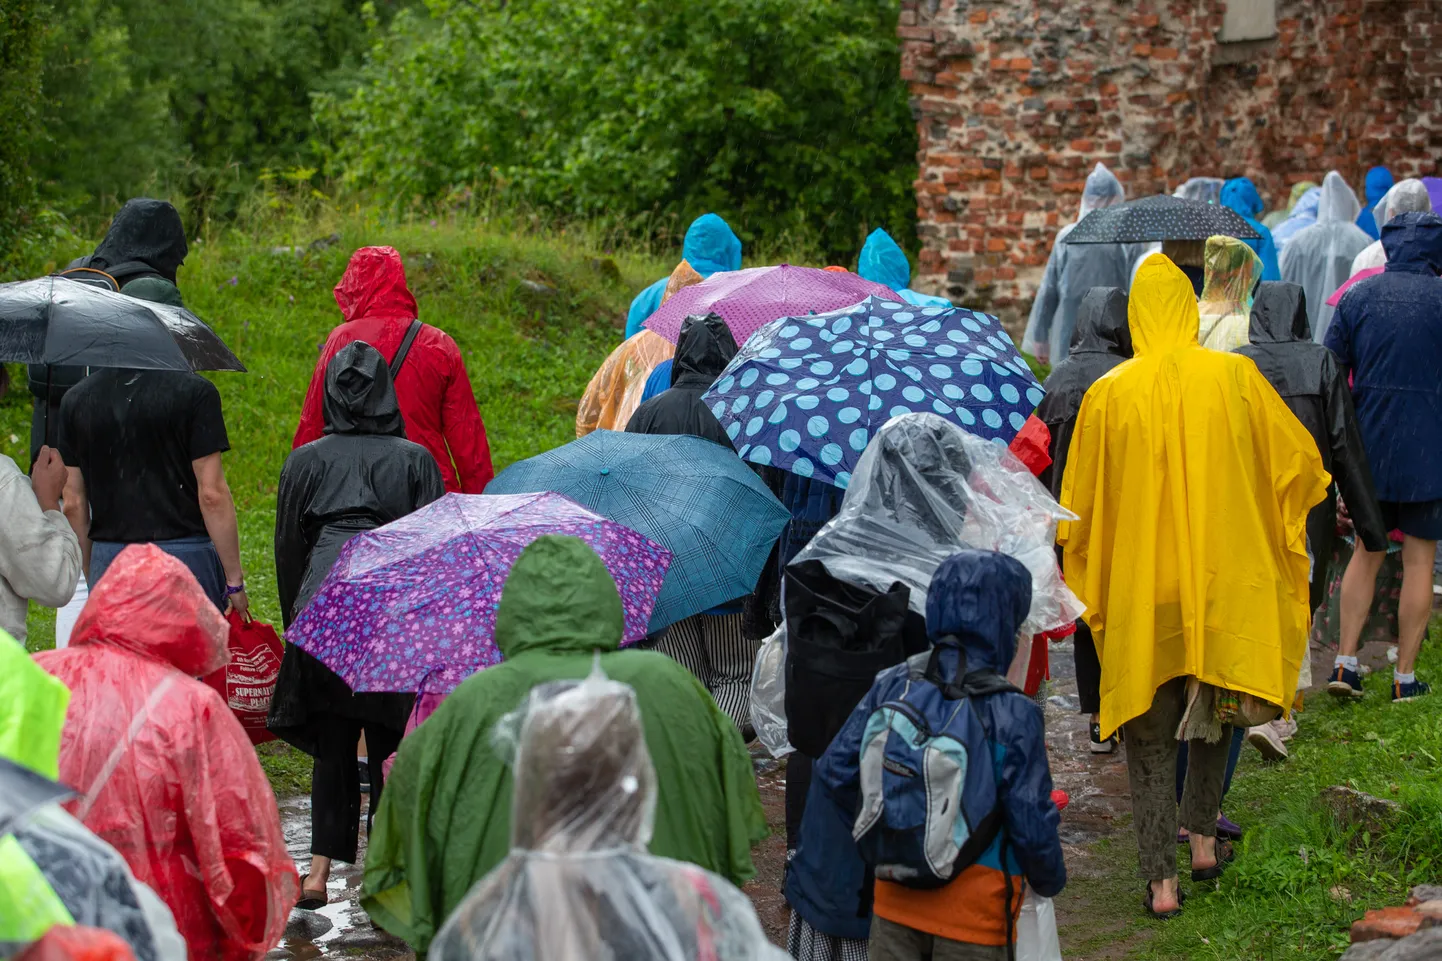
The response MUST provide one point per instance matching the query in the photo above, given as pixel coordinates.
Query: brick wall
(1016, 100)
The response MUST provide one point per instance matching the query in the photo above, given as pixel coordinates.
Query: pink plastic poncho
(165, 772)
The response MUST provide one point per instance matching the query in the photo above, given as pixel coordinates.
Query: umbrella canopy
(695, 497)
(806, 394)
(749, 299)
(1153, 219)
(55, 321)
(411, 606)
(22, 791)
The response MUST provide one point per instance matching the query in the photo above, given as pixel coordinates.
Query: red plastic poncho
(165, 772)
(433, 390)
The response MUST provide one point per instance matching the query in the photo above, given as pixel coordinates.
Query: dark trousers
(335, 784)
(1239, 735)
(798, 782)
(196, 553)
(1088, 669)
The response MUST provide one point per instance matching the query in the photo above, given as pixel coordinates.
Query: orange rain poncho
(1191, 481)
(165, 772)
(615, 390)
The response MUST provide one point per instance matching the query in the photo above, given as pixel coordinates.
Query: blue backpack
(929, 804)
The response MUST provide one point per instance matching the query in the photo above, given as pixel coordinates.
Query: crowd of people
(1216, 416)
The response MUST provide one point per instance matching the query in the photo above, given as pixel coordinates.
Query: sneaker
(1265, 739)
(1344, 683)
(1100, 746)
(1285, 729)
(1409, 692)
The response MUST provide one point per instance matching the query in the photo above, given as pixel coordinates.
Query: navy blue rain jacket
(982, 598)
(1388, 334)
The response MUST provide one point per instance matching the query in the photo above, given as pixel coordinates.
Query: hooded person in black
(145, 240)
(1101, 341)
(1314, 387)
(714, 645)
(703, 349)
(361, 474)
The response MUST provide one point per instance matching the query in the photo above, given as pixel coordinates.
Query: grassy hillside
(534, 314)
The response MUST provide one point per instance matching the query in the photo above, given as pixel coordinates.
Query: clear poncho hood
(578, 882)
(925, 489)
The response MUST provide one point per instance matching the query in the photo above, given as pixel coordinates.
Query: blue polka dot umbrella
(806, 393)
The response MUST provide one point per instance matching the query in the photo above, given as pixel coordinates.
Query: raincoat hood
(882, 261)
(1336, 202)
(374, 287)
(1233, 272)
(146, 230)
(682, 277)
(559, 598)
(1413, 242)
(1406, 195)
(1279, 315)
(981, 597)
(150, 604)
(1207, 190)
(1240, 194)
(1102, 189)
(1379, 181)
(1299, 191)
(711, 246)
(703, 350)
(34, 713)
(1161, 311)
(1101, 323)
(1307, 205)
(359, 395)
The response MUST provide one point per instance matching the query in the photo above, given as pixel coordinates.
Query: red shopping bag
(248, 681)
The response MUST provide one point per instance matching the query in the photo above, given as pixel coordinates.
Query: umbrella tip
(605, 471)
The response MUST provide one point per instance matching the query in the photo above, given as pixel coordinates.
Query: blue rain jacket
(882, 261)
(1241, 195)
(658, 381)
(1379, 181)
(711, 246)
(1388, 333)
(982, 598)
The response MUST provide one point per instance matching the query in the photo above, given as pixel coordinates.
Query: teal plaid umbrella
(695, 498)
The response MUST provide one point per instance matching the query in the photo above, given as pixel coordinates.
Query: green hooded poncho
(444, 818)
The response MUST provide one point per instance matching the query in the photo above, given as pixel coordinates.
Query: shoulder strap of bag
(405, 347)
(71, 273)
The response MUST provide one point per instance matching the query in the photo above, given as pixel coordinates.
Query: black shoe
(1100, 745)
(364, 768)
(1225, 855)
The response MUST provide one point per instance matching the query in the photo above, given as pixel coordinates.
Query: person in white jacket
(39, 552)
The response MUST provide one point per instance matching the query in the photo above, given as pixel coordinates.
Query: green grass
(1300, 878)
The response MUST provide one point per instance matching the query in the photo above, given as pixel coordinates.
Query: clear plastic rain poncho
(1072, 270)
(1233, 272)
(1206, 189)
(578, 882)
(923, 490)
(1319, 258)
(1302, 216)
(1410, 194)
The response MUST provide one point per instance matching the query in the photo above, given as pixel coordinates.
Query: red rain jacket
(433, 390)
(165, 772)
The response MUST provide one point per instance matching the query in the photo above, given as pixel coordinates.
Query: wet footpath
(1096, 784)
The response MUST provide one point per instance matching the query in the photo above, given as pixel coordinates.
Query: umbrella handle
(46, 431)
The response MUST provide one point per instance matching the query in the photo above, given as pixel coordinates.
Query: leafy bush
(785, 116)
(22, 25)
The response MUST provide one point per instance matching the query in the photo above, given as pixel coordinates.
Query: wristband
(237, 589)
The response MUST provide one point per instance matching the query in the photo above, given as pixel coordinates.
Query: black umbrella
(54, 321)
(22, 791)
(1158, 218)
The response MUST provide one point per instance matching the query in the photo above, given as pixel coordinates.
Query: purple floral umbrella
(749, 299)
(411, 606)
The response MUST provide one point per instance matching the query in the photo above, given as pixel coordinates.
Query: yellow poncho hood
(1191, 481)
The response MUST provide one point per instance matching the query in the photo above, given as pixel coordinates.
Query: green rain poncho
(444, 818)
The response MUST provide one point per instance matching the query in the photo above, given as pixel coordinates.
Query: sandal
(1225, 855)
(1162, 915)
(311, 900)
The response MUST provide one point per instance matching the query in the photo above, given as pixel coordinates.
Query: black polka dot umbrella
(1159, 218)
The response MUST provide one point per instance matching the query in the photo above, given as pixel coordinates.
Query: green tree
(782, 115)
(22, 26)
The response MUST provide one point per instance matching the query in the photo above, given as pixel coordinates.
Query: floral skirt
(1381, 625)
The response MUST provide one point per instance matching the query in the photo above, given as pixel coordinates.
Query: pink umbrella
(1362, 274)
(750, 299)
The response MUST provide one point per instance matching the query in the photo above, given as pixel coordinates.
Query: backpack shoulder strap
(405, 348)
(89, 275)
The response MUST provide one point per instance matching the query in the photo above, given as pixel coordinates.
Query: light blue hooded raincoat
(882, 261)
(1240, 194)
(711, 246)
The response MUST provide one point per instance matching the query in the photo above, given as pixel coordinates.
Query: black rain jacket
(703, 349)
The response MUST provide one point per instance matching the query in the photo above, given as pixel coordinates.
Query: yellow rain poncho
(615, 390)
(1191, 481)
(1233, 272)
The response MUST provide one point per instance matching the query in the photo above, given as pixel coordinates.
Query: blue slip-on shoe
(1344, 683)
